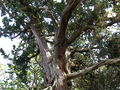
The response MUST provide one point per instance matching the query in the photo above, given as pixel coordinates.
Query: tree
(58, 32)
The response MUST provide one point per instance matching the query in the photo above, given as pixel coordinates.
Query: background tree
(69, 40)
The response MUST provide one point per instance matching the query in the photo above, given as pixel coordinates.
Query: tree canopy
(66, 45)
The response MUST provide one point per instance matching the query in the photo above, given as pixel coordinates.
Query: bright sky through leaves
(7, 45)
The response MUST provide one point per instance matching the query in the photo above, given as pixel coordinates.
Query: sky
(7, 45)
(58, 0)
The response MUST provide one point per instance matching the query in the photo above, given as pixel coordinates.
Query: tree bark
(61, 82)
(55, 70)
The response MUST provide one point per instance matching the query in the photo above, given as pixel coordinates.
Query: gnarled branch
(91, 68)
(65, 16)
(45, 58)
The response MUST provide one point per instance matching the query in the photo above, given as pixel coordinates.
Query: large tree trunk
(61, 82)
(55, 70)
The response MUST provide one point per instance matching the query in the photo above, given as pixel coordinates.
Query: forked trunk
(60, 81)
(59, 71)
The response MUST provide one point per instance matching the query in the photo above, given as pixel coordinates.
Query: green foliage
(114, 46)
(25, 70)
(105, 78)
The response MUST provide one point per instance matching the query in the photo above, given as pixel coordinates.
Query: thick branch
(45, 59)
(76, 33)
(39, 41)
(91, 68)
(86, 27)
(65, 16)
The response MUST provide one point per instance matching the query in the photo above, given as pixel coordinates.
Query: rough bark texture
(45, 60)
(56, 74)
(60, 48)
(55, 71)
